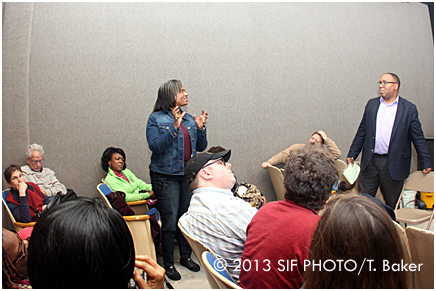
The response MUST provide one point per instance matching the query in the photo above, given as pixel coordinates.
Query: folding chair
(18, 225)
(277, 180)
(139, 226)
(416, 181)
(407, 255)
(218, 271)
(140, 207)
(421, 244)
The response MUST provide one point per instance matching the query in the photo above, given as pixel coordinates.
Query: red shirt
(278, 242)
(187, 149)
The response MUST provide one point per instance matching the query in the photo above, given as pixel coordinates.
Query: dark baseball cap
(194, 165)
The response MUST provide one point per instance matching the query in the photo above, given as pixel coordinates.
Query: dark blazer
(407, 129)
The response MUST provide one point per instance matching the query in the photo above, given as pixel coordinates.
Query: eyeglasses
(21, 247)
(385, 82)
(219, 159)
(36, 162)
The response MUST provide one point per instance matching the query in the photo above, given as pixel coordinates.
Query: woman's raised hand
(178, 116)
(201, 120)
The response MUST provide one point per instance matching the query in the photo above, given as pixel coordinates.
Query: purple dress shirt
(385, 122)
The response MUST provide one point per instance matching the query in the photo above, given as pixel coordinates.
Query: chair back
(218, 271)
(416, 181)
(419, 182)
(17, 225)
(104, 190)
(421, 244)
(139, 226)
(277, 180)
(139, 207)
(154, 211)
(406, 250)
(340, 167)
(5, 194)
(198, 248)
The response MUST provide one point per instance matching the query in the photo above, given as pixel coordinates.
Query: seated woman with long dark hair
(113, 161)
(82, 243)
(357, 233)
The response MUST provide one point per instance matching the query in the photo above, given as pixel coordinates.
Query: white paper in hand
(351, 172)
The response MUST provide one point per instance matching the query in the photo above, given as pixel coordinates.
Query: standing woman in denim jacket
(174, 137)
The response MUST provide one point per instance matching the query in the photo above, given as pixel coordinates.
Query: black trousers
(377, 174)
(173, 199)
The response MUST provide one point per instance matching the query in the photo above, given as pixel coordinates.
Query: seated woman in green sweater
(121, 179)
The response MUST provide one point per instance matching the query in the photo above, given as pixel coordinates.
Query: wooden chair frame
(140, 228)
(224, 281)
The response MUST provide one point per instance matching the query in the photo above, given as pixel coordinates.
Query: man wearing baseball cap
(215, 217)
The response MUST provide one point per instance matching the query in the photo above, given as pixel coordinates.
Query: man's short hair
(216, 149)
(34, 147)
(309, 176)
(10, 170)
(397, 79)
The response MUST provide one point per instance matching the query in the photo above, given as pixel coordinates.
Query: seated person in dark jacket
(25, 200)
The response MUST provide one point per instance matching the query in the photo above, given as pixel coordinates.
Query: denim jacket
(166, 142)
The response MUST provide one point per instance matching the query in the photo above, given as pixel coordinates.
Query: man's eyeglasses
(21, 248)
(385, 82)
(36, 162)
(219, 159)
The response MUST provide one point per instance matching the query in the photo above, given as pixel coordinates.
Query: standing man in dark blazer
(389, 124)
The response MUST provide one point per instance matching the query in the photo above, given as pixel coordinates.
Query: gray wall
(79, 77)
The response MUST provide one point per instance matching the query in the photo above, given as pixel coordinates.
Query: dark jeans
(377, 174)
(173, 198)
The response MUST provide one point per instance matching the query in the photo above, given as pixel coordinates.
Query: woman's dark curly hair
(107, 156)
(309, 176)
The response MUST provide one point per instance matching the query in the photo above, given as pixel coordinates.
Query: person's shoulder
(156, 114)
(298, 146)
(110, 175)
(161, 117)
(127, 172)
(406, 102)
(48, 171)
(25, 169)
(31, 186)
(374, 100)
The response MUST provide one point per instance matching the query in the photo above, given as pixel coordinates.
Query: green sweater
(131, 189)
